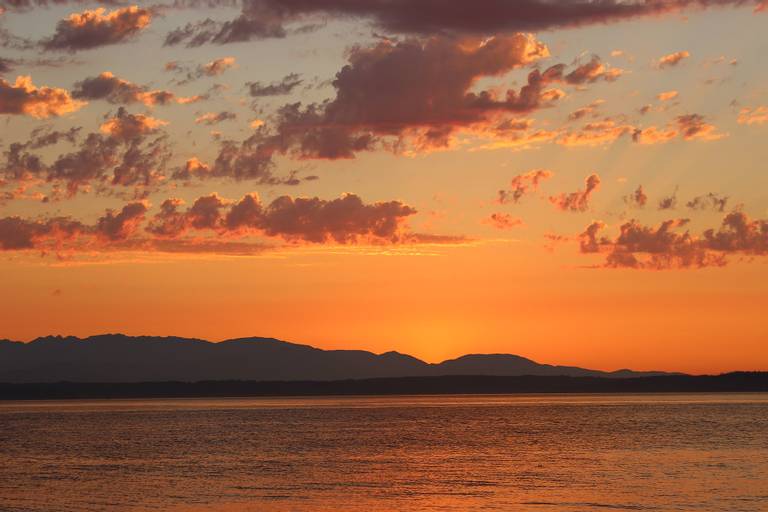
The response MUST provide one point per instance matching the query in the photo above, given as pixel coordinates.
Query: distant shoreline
(439, 385)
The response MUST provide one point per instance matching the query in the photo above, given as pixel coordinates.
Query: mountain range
(121, 358)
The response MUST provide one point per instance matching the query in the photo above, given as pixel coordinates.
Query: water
(651, 452)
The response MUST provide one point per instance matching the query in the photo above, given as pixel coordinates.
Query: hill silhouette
(119, 358)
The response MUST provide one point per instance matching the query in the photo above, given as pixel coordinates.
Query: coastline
(439, 385)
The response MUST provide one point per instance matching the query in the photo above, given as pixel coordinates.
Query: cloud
(23, 97)
(284, 86)
(413, 92)
(503, 221)
(213, 68)
(591, 72)
(269, 18)
(522, 185)
(107, 86)
(94, 28)
(637, 199)
(343, 220)
(665, 247)
(654, 135)
(250, 160)
(214, 225)
(205, 213)
(125, 126)
(121, 225)
(19, 234)
(213, 118)
(596, 133)
(672, 59)
(6, 65)
(694, 126)
(688, 126)
(667, 95)
(587, 110)
(577, 201)
(711, 201)
(132, 148)
(756, 115)
(668, 202)
(218, 66)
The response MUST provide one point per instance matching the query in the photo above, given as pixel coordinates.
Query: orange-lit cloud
(756, 115)
(667, 95)
(121, 225)
(688, 127)
(596, 133)
(672, 59)
(695, 126)
(213, 68)
(587, 110)
(94, 28)
(126, 126)
(577, 201)
(523, 184)
(591, 72)
(22, 97)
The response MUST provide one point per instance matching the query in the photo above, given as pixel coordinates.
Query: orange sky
(591, 195)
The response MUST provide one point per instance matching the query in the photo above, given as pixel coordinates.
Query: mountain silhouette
(121, 358)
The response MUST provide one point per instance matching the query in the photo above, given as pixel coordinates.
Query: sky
(576, 182)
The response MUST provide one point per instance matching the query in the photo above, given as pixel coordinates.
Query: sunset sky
(577, 182)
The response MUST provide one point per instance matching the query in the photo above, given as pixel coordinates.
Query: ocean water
(575, 452)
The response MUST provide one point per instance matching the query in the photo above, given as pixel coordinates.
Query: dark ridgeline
(118, 366)
(119, 358)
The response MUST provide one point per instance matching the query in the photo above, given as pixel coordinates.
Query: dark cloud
(131, 150)
(665, 246)
(668, 202)
(268, 18)
(18, 234)
(205, 213)
(94, 28)
(343, 220)
(6, 65)
(121, 225)
(413, 93)
(577, 201)
(522, 185)
(637, 199)
(284, 86)
(107, 86)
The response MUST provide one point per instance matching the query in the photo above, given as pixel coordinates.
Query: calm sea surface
(576, 452)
